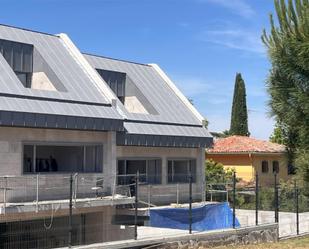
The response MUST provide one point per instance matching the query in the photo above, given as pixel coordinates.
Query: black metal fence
(253, 204)
(285, 203)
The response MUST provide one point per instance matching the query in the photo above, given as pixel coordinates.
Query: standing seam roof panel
(170, 108)
(71, 75)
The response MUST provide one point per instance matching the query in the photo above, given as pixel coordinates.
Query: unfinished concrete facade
(101, 120)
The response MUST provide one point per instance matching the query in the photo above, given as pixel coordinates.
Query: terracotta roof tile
(242, 144)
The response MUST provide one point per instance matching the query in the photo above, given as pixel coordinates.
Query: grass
(296, 243)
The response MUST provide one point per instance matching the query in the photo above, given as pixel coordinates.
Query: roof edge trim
(57, 121)
(246, 152)
(123, 139)
(172, 85)
(98, 82)
(116, 59)
(28, 30)
(162, 123)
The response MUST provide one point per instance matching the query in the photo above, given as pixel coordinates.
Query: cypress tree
(239, 117)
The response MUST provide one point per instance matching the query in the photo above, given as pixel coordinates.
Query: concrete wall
(93, 226)
(229, 238)
(11, 159)
(11, 140)
(11, 163)
(165, 193)
(287, 221)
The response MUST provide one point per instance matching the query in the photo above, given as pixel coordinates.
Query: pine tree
(239, 117)
(288, 81)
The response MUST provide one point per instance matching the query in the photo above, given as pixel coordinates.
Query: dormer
(29, 66)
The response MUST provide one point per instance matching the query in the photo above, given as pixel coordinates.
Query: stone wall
(252, 235)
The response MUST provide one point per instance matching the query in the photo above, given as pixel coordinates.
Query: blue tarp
(207, 217)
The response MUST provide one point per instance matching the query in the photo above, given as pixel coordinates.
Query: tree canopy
(288, 82)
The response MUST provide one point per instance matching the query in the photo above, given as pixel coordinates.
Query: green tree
(239, 117)
(288, 81)
(215, 172)
(277, 136)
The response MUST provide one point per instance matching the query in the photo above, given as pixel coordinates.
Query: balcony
(38, 192)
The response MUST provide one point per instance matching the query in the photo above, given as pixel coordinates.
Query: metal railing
(39, 188)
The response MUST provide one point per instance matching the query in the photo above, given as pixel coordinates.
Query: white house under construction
(103, 119)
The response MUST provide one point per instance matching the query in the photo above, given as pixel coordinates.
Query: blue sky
(201, 44)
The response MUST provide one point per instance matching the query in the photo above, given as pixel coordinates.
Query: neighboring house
(249, 156)
(64, 112)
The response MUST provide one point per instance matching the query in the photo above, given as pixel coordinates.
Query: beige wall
(246, 165)
(241, 163)
(268, 178)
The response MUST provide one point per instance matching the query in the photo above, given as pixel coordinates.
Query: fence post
(190, 203)
(296, 207)
(4, 194)
(276, 200)
(256, 199)
(149, 196)
(210, 192)
(204, 191)
(37, 194)
(136, 204)
(177, 193)
(75, 188)
(234, 199)
(70, 211)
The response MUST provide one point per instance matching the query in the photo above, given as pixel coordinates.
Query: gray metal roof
(69, 72)
(165, 130)
(174, 125)
(158, 135)
(168, 105)
(51, 114)
(80, 106)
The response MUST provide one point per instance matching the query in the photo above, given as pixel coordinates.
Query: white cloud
(235, 39)
(239, 7)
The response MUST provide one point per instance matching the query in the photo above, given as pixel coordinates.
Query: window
(149, 170)
(116, 81)
(275, 167)
(63, 158)
(20, 58)
(265, 167)
(179, 170)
